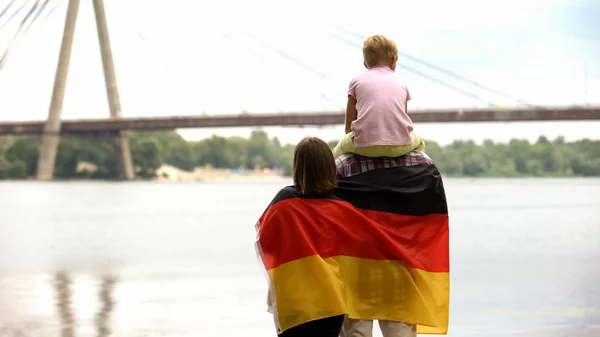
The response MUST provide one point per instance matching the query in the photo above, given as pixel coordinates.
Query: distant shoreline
(258, 178)
(216, 179)
(171, 173)
(240, 178)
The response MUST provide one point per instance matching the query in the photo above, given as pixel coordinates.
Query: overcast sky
(229, 56)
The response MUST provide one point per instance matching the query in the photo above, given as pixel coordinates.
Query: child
(377, 122)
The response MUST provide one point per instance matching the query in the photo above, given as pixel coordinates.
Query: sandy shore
(171, 173)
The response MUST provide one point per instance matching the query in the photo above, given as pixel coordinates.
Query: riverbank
(171, 173)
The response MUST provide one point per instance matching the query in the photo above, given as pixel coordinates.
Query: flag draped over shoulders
(377, 248)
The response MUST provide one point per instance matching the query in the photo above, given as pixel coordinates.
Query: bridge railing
(108, 125)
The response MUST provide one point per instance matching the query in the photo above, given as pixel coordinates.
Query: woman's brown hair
(314, 167)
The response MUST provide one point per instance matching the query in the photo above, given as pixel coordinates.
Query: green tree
(18, 170)
(147, 157)
(19, 155)
(175, 150)
(24, 149)
(4, 168)
(238, 148)
(259, 151)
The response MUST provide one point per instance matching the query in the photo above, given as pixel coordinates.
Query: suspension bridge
(116, 125)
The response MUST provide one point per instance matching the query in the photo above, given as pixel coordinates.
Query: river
(177, 259)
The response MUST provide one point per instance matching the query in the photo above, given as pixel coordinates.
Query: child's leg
(346, 145)
(419, 142)
(391, 151)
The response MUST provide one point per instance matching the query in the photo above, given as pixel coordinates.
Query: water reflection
(64, 299)
(106, 298)
(62, 286)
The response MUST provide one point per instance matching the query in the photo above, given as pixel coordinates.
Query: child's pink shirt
(381, 105)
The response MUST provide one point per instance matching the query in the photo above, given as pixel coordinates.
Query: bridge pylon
(51, 136)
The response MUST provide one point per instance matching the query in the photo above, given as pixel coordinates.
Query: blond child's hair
(378, 50)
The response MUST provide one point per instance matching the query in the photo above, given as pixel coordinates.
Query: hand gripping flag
(376, 249)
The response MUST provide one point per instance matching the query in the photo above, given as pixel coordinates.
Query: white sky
(228, 56)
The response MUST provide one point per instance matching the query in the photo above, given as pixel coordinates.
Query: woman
(374, 247)
(314, 175)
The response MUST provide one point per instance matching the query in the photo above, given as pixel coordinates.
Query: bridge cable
(430, 65)
(14, 14)
(464, 79)
(37, 15)
(4, 55)
(268, 46)
(7, 8)
(24, 26)
(428, 77)
(51, 11)
(144, 39)
(289, 57)
(444, 71)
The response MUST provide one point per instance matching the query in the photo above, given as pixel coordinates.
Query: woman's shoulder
(292, 192)
(287, 192)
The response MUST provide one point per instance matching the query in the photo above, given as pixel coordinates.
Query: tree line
(150, 150)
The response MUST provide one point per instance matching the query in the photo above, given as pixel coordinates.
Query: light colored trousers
(362, 328)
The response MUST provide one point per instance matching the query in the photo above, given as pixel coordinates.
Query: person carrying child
(378, 125)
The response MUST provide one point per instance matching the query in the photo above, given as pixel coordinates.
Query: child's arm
(408, 98)
(351, 113)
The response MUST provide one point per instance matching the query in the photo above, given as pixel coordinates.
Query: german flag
(376, 249)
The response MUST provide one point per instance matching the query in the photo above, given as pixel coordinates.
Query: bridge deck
(297, 119)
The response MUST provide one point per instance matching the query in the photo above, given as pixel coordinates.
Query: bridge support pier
(112, 91)
(51, 136)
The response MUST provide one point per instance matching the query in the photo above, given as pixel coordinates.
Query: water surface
(177, 259)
